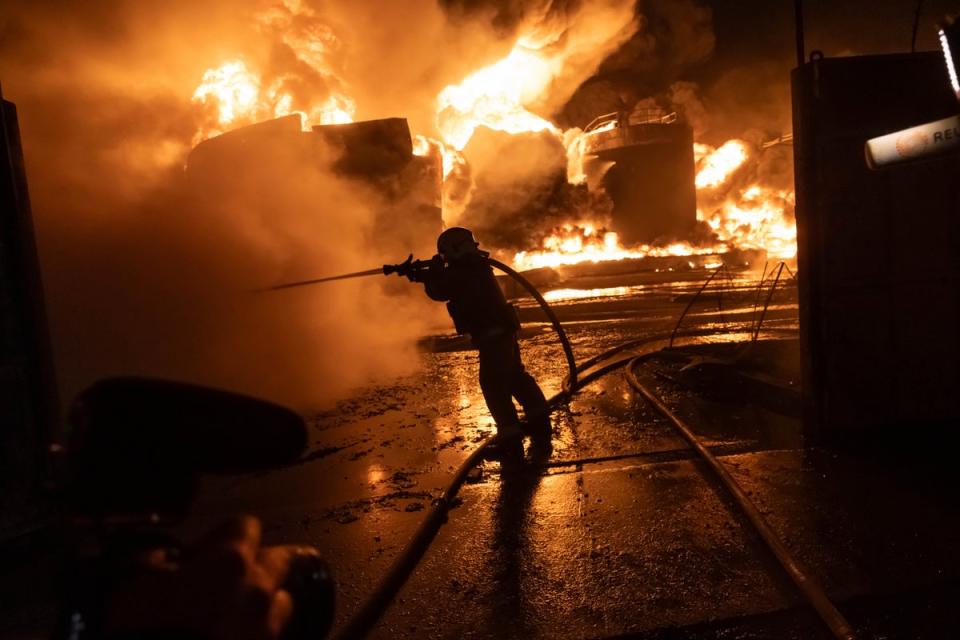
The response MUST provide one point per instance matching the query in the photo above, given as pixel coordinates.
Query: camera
(135, 453)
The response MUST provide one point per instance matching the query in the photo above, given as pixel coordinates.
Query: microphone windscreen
(208, 429)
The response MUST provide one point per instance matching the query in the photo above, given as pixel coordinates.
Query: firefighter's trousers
(502, 378)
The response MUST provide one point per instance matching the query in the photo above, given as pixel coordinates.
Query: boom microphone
(140, 444)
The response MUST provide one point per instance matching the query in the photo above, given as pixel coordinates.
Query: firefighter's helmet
(456, 242)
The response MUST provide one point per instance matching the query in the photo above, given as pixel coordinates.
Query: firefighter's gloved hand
(405, 268)
(421, 270)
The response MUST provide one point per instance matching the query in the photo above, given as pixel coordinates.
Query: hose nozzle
(410, 268)
(401, 269)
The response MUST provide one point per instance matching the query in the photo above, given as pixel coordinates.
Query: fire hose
(411, 265)
(369, 613)
(808, 586)
(364, 619)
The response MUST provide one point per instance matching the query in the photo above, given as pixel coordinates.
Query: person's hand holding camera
(225, 587)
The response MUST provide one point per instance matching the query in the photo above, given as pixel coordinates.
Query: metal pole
(798, 24)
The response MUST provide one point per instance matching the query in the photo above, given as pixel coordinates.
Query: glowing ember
(717, 166)
(580, 294)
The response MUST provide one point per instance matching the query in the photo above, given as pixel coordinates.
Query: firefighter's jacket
(474, 299)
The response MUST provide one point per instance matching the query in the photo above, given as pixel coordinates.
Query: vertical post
(798, 24)
(28, 394)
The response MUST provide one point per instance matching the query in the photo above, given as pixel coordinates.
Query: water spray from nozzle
(303, 283)
(405, 268)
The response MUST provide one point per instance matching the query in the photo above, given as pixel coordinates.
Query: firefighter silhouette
(460, 276)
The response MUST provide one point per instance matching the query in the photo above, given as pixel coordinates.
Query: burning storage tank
(651, 183)
(377, 154)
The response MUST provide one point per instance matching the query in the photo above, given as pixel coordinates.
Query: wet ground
(622, 532)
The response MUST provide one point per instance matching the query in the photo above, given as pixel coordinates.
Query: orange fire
(717, 165)
(494, 97)
(498, 96)
(575, 243)
(451, 157)
(757, 219)
(232, 91)
(233, 96)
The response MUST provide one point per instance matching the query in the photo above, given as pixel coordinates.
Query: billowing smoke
(143, 274)
(736, 106)
(146, 274)
(673, 37)
(502, 116)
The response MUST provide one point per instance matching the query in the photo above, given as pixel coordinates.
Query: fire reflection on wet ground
(619, 532)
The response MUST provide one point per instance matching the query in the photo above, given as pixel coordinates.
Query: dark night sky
(739, 53)
(765, 28)
(756, 48)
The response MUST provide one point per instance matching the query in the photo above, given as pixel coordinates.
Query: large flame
(233, 93)
(494, 97)
(757, 218)
(553, 55)
(233, 96)
(584, 242)
(499, 97)
(717, 165)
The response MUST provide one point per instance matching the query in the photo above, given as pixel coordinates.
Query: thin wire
(792, 274)
(756, 302)
(916, 27)
(692, 300)
(763, 313)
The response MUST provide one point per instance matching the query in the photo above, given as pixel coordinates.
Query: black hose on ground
(808, 586)
(377, 603)
(367, 616)
(630, 344)
(361, 623)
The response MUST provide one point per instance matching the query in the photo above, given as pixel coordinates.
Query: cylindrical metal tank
(651, 183)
